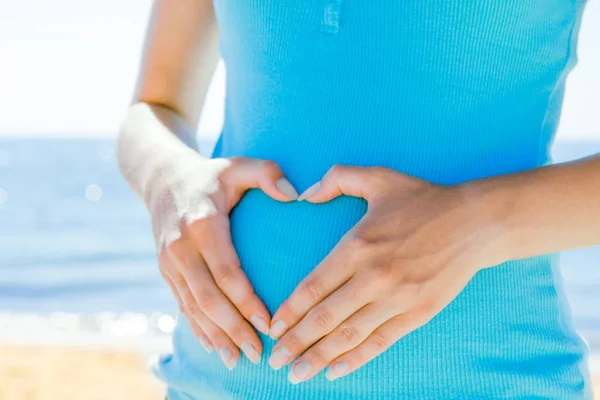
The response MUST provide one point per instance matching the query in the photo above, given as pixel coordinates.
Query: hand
(190, 217)
(415, 249)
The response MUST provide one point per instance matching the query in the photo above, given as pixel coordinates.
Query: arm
(180, 55)
(189, 197)
(544, 210)
(416, 248)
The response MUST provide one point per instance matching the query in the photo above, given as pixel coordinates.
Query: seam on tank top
(565, 316)
(570, 62)
(331, 16)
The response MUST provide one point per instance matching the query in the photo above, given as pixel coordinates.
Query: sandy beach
(54, 373)
(59, 373)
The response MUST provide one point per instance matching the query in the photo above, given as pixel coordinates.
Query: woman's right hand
(190, 207)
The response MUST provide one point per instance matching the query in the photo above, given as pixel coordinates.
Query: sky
(68, 68)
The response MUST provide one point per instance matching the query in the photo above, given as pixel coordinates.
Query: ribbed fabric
(445, 90)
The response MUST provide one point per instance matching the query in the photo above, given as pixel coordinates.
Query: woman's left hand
(416, 248)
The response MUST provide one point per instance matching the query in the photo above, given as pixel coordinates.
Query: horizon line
(93, 135)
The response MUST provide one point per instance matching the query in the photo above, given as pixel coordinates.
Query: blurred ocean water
(73, 238)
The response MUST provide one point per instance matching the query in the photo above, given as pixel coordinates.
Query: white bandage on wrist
(173, 179)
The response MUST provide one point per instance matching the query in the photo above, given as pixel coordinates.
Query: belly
(280, 243)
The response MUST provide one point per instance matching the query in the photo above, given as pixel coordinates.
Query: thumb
(340, 180)
(252, 173)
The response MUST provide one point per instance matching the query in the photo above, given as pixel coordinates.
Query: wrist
(154, 143)
(491, 207)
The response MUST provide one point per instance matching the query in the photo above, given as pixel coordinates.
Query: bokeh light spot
(93, 192)
(3, 197)
(165, 323)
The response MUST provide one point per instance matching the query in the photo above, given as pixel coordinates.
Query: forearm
(157, 138)
(180, 57)
(541, 211)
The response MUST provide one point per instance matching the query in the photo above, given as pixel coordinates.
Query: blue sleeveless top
(445, 90)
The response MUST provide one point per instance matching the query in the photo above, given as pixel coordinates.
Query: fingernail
(227, 357)
(260, 324)
(299, 372)
(277, 329)
(205, 343)
(286, 188)
(279, 358)
(336, 371)
(250, 352)
(310, 191)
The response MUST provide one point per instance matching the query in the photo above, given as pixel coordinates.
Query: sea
(77, 259)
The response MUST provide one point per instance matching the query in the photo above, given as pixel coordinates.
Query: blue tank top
(445, 90)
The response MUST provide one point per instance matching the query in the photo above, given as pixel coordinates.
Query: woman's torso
(445, 90)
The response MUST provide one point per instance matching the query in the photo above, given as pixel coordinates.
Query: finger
(393, 330)
(320, 321)
(341, 180)
(199, 333)
(251, 173)
(227, 349)
(335, 270)
(223, 315)
(200, 295)
(345, 337)
(195, 327)
(165, 268)
(376, 343)
(213, 239)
